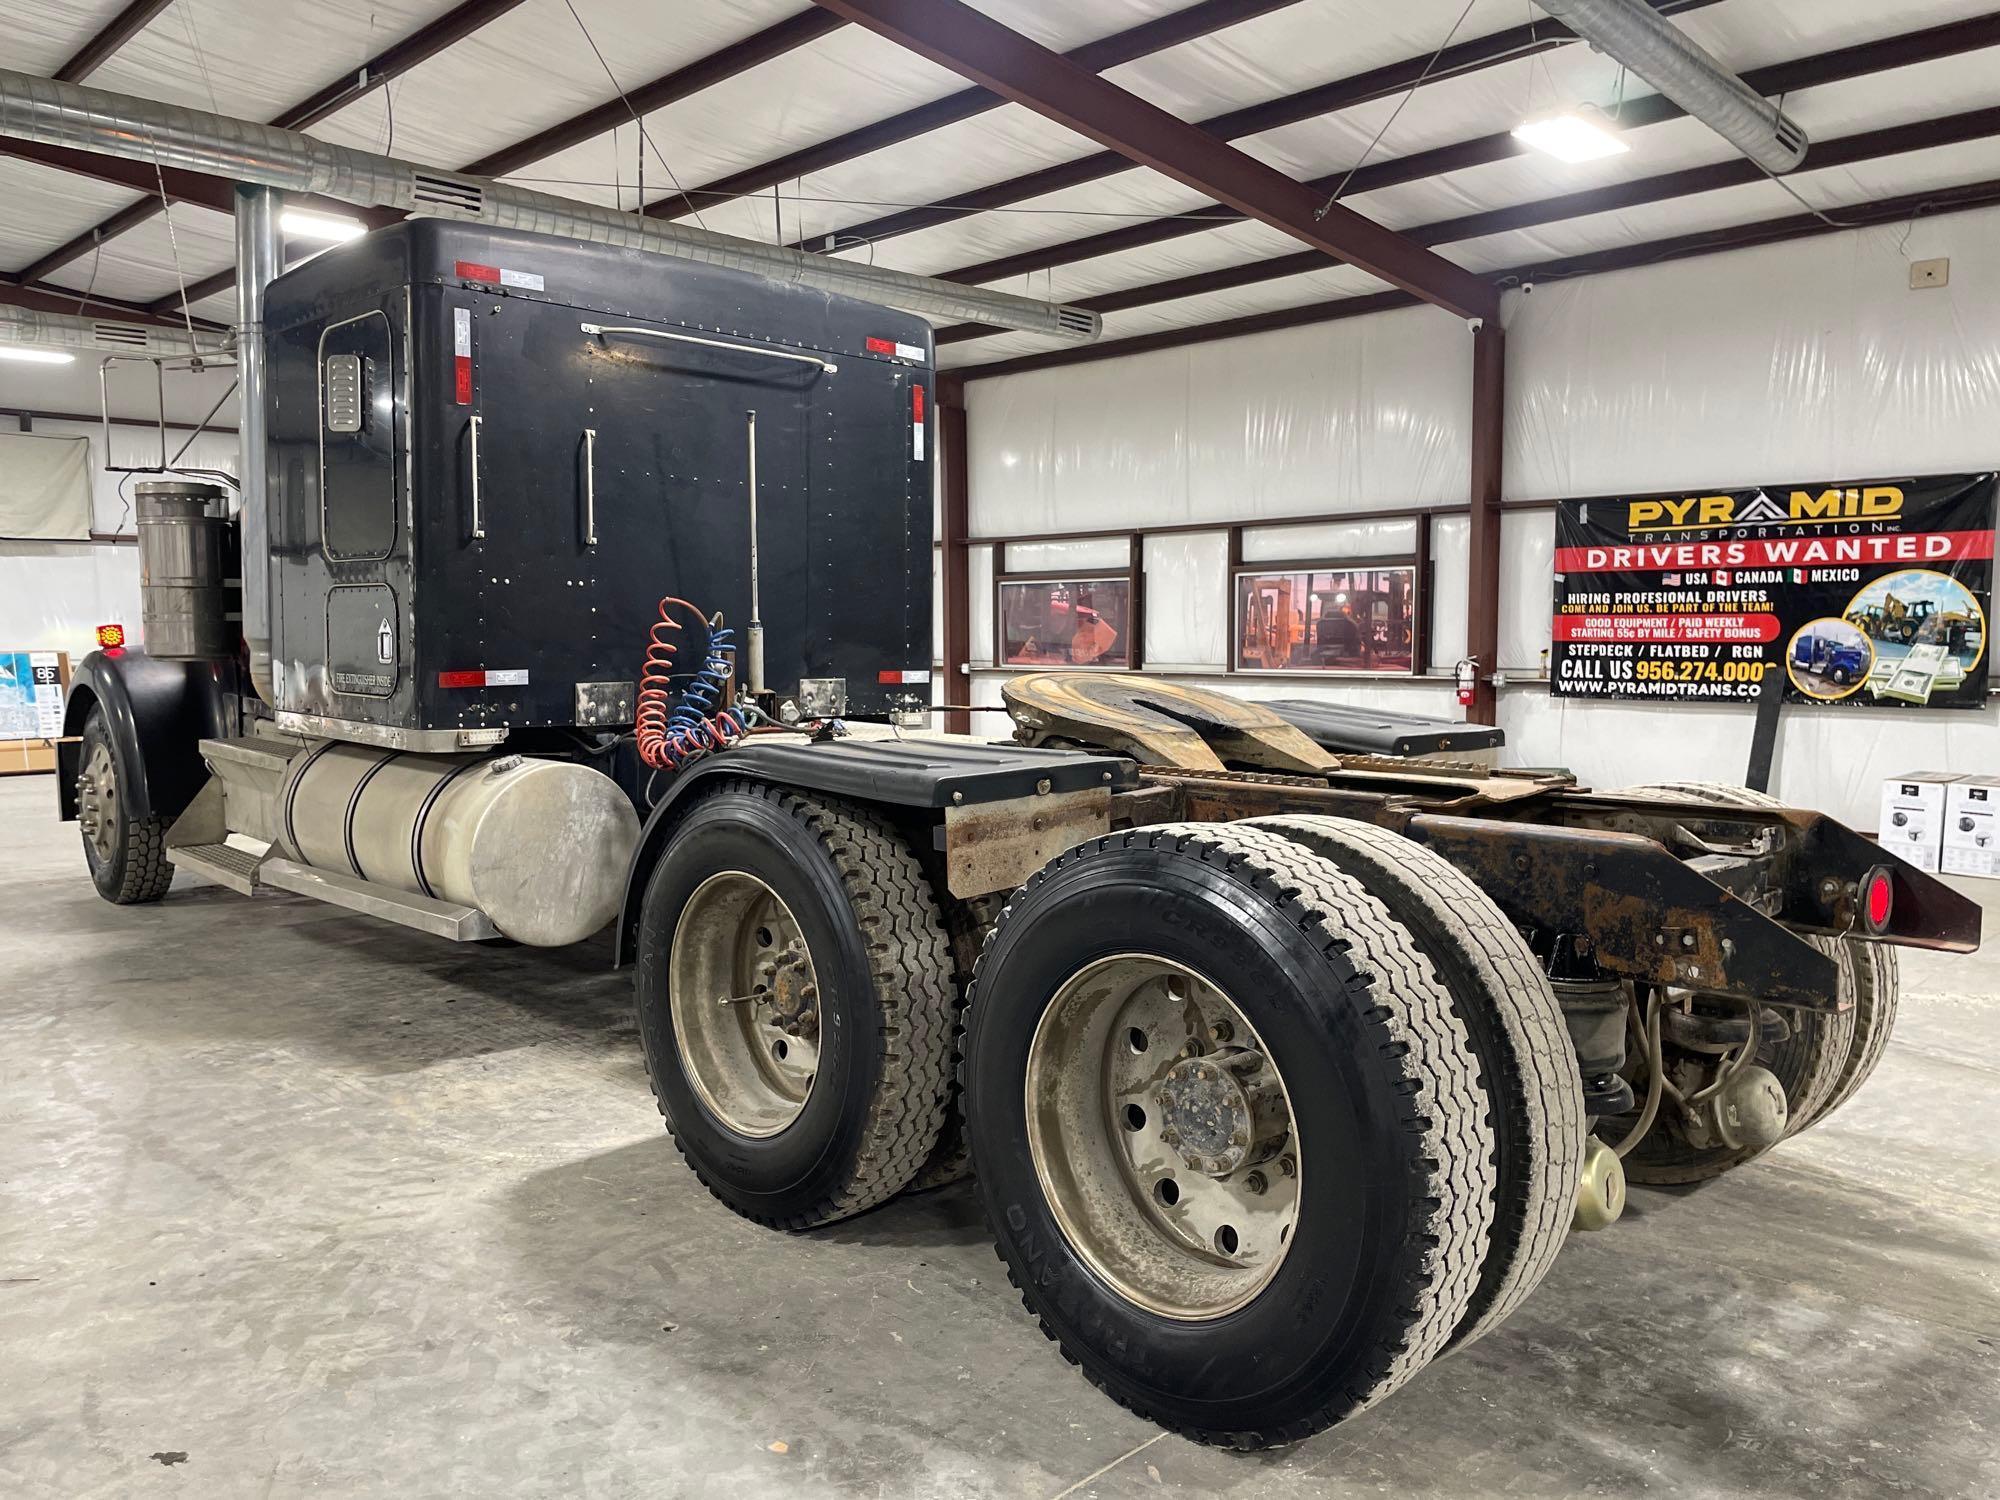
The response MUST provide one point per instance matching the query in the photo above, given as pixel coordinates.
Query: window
(1326, 619)
(1066, 622)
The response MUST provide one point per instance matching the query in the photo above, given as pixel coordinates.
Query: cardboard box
(1972, 827)
(1913, 816)
(19, 757)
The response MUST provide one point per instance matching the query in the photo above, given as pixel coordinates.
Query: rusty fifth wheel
(795, 1003)
(1230, 1133)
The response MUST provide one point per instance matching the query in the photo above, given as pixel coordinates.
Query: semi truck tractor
(573, 587)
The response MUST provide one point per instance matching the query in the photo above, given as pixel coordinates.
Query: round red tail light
(1877, 899)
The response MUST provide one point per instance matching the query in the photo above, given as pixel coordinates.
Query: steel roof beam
(726, 62)
(960, 38)
(114, 34)
(420, 46)
(110, 309)
(1929, 45)
(1958, 199)
(200, 188)
(1867, 145)
(1541, 35)
(1158, 35)
(704, 72)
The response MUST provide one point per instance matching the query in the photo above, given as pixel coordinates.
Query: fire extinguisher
(1466, 674)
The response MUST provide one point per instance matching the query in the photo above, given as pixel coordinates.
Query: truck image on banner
(1873, 592)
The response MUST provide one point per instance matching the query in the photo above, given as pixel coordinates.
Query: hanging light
(1580, 134)
(332, 228)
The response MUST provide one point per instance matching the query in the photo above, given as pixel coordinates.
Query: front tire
(795, 1004)
(1301, 1038)
(127, 855)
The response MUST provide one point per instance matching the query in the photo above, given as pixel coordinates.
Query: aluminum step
(258, 752)
(225, 864)
(446, 919)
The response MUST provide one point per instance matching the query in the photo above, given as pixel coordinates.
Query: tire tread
(1419, 1039)
(902, 931)
(1536, 1103)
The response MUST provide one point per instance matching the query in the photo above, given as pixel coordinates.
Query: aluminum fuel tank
(540, 846)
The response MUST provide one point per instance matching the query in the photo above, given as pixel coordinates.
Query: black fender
(157, 712)
(917, 778)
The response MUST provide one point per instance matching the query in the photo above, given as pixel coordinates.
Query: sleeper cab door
(359, 507)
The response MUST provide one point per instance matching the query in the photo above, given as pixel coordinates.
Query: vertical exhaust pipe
(259, 257)
(754, 636)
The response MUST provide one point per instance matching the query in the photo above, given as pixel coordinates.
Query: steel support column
(954, 558)
(1489, 418)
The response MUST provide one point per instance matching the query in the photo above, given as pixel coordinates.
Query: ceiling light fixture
(1581, 134)
(37, 356)
(332, 228)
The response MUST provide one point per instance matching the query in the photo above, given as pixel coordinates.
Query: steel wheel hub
(744, 997)
(1223, 1112)
(97, 811)
(1161, 1134)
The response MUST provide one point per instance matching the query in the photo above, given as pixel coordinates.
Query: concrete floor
(291, 1202)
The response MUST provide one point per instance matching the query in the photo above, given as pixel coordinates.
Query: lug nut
(1255, 1183)
(1288, 1166)
(1221, 1031)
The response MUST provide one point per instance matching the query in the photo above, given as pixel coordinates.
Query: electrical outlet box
(1929, 273)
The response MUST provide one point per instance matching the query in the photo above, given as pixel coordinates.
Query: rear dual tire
(1414, 1221)
(816, 914)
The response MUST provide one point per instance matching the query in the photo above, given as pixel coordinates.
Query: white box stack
(1972, 826)
(1913, 816)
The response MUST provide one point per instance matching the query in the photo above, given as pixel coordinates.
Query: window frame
(1132, 576)
(1412, 563)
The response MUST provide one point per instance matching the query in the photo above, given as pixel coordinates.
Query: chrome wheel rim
(97, 810)
(745, 1003)
(1160, 1130)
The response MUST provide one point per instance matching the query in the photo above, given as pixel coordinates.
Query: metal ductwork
(54, 330)
(1645, 41)
(96, 120)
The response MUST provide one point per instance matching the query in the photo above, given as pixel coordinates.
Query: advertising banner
(1874, 593)
(31, 695)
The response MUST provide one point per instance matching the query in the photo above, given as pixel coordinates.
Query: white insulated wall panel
(1806, 360)
(1111, 553)
(979, 601)
(1451, 552)
(1527, 588)
(1187, 599)
(1367, 414)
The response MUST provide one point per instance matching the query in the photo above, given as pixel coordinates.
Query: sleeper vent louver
(456, 195)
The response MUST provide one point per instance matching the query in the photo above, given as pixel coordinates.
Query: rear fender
(919, 782)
